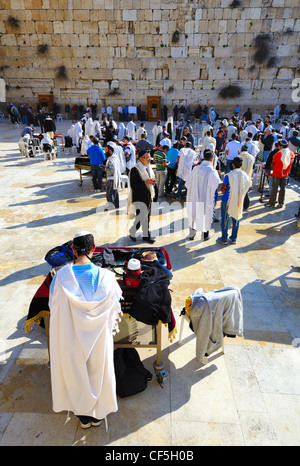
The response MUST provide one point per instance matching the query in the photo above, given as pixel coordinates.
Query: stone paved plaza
(248, 396)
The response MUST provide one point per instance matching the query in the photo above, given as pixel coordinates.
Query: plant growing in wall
(13, 22)
(230, 92)
(235, 4)
(262, 45)
(43, 49)
(61, 73)
(175, 37)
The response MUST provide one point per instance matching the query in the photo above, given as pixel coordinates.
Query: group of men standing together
(128, 152)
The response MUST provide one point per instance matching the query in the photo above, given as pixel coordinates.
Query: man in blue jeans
(97, 159)
(235, 186)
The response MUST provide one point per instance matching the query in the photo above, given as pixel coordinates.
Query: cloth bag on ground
(131, 375)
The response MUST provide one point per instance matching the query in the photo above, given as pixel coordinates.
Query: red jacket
(278, 170)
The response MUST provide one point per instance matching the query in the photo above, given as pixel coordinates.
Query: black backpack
(131, 375)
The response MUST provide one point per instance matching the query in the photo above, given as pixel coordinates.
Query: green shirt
(160, 157)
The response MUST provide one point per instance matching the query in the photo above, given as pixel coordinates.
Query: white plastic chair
(59, 117)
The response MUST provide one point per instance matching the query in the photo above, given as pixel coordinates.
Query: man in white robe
(208, 139)
(202, 184)
(129, 152)
(77, 133)
(156, 130)
(121, 131)
(236, 184)
(247, 167)
(187, 157)
(85, 310)
(89, 129)
(131, 130)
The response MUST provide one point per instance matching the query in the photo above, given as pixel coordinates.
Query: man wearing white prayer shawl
(236, 184)
(121, 131)
(77, 133)
(131, 129)
(202, 193)
(89, 128)
(187, 157)
(118, 150)
(156, 130)
(113, 175)
(85, 309)
(208, 139)
(247, 166)
(129, 152)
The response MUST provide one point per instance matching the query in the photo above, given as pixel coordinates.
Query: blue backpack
(60, 255)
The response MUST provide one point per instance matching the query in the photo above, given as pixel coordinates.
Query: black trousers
(142, 219)
(171, 179)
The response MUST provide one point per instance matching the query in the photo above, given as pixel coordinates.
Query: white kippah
(81, 233)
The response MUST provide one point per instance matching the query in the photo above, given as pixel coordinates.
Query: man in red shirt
(281, 166)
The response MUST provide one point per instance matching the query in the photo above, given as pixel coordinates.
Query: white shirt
(166, 142)
(233, 148)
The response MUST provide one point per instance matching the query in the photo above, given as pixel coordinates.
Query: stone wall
(185, 51)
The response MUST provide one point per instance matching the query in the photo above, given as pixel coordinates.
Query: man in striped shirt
(160, 158)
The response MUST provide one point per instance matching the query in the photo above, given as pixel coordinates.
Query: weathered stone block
(129, 15)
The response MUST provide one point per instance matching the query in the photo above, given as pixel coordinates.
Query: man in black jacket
(142, 181)
(267, 141)
(49, 126)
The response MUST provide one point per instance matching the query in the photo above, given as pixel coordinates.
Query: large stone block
(129, 15)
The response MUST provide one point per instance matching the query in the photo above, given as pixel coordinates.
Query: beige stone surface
(248, 396)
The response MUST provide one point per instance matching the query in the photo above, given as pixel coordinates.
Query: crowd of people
(171, 164)
(230, 147)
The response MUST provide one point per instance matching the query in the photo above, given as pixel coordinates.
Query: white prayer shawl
(239, 183)
(170, 122)
(131, 130)
(81, 345)
(248, 162)
(145, 175)
(205, 129)
(166, 142)
(89, 128)
(285, 157)
(115, 161)
(187, 158)
(253, 148)
(139, 132)
(212, 114)
(121, 131)
(118, 150)
(206, 141)
(85, 145)
(201, 186)
(131, 161)
(77, 133)
(157, 129)
(71, 132)
(243, 134)
(215, 157)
